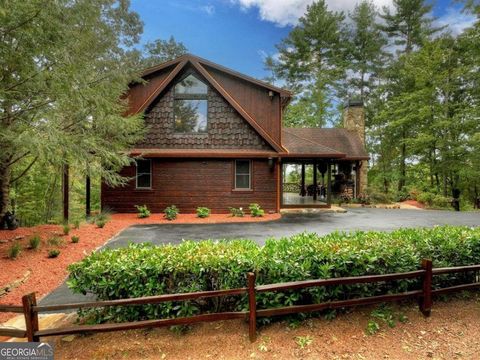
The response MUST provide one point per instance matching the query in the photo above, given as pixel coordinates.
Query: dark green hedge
(143, 270)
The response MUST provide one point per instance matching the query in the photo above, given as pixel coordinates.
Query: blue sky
(238, 33)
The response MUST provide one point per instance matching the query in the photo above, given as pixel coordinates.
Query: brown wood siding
(138, 94)
(192, 183)
(266, 111)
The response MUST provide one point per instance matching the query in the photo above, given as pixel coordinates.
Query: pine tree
(161, 51)
(64, 67)
(312, 62)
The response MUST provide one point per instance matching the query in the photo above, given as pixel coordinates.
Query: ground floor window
(243, 174)
(144, 174)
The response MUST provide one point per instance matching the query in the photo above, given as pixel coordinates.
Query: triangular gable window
(191, 105)
(191, 85)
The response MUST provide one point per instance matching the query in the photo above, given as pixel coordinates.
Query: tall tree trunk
(5, 177)
(403, 157)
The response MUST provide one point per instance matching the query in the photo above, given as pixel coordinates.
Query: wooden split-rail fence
(31, 310)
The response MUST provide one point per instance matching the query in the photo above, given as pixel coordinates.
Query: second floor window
(190, 105)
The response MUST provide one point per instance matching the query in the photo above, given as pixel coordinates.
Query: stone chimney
(354, 119)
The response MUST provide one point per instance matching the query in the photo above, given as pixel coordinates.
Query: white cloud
(209, 9)
(287, 12)
(455, 20)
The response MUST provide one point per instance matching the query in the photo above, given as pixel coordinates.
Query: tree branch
(24, 171)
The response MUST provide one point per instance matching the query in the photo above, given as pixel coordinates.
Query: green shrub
(143, 211)
(34, 242)
(75, 239)
(144, 270)
(171, 212)
(53, 253)
(203, 212)
(55, 241)
(66, 229)
(236, 212)
(379, 198)
(426, 198)
(100, 223)
(14, 250)
(440, 201)
(402, 196)
(76, 224)
(256, 210)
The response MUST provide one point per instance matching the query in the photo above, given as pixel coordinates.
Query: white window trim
(249, 176)
(136, 176)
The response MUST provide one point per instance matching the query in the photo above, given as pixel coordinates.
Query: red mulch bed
(415, 203)
(47, 274)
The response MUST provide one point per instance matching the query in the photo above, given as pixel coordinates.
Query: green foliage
(76, 224)
(384, 314)
(303, 341)
(53, 253)
(101, 223)
(14, 250)
(55, 241)
(62, 95)
(160, 51)
(203, 212)
(171, 212)
(236, 212)
(143, 211)
(256, 210)
(377, 197)
(66, 229)
(144, 270)
(372, 327)
(75, 239)
(34, 242)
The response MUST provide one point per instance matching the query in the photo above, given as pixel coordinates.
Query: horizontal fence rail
(31, 310)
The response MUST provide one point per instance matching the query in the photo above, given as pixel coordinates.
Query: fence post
(252, 305)
(31, 316)
(426, 301)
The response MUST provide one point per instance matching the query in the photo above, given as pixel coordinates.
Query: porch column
(329, 183)
(302, 184)
(314, 181)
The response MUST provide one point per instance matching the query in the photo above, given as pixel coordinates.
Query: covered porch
(316, 183)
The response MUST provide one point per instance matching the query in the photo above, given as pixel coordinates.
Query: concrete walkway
(289, 224)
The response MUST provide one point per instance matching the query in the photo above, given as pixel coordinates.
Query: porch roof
(323, 143)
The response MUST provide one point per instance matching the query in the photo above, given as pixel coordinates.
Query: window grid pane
(242, 174)
(144, 174)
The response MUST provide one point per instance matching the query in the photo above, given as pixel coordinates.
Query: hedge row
(144, 270)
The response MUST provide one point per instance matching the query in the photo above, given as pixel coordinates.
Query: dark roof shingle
(339, 143)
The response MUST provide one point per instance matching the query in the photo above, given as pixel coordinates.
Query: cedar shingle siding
(226, 129)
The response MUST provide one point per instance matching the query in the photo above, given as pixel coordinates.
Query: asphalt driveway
(320, 223)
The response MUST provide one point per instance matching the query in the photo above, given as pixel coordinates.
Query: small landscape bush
(66, 229)
(144, 270)
(75, 239)
(440, 201)
(143, 211)
(100, 223)
(203, 212)
(55, 241)
(426, 198)
(379, 198)
(236, 212)
(14, 250)
(53, 253)
(76, 224)
(256, 210)
(34, 242)
(171, 212)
